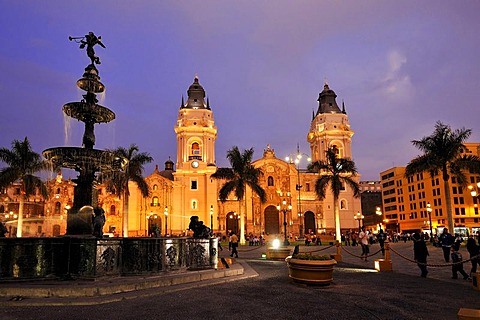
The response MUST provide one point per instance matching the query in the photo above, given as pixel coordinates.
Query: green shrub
(308, 256)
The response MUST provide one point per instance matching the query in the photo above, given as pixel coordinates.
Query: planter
(278, 253)
(312, 272)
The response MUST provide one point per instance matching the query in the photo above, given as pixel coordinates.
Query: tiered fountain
(79, 254)
(87, 161)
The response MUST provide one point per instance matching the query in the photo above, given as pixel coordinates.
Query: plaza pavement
(400, 294)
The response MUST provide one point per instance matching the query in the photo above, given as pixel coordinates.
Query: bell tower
(329, 127)
(195, 191)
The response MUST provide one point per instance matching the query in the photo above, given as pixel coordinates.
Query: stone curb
(57, 293)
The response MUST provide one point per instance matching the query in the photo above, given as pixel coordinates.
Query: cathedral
(185, 188)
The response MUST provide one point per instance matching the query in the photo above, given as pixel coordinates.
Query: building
(418, 203)
(190, 191)
(371, 198)
(185, 187)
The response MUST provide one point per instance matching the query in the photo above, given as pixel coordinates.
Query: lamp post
(378, 212)
(166, 220)
(211, 218)
(296, 159)
(429, 211)
(358, 217)
(284, 208)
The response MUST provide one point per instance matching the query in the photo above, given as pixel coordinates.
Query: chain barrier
(433, 265)
(354, 255)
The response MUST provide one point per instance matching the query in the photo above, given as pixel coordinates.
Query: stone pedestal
(278, 253)
(383, 265)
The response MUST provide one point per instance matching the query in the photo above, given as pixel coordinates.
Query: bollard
(384, 265)
(337, 256)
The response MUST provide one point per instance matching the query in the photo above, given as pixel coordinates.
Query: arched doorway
(232, 222)
(309, 222)
(272, 222)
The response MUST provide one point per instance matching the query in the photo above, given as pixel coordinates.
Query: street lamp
(378, 212)
(429, 211)
(358, 217)
(284, 208)
(296, 159)
(166, 220)
(211, 218)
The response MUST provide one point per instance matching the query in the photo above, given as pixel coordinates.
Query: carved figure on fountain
(200, 231)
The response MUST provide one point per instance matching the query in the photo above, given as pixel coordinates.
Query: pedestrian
(457, 265)
(219, 239)
(234, 242)
(420, 253)
(363, 238)
(381, 240)
(474, 250)
(446, 241)
(3, 230)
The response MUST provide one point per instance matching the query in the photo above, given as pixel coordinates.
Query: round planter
(278, 253)
(312, 272)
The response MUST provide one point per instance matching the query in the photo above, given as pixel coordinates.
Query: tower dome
(196, 96)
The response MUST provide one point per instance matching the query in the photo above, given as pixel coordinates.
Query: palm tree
(133, 171)
(335, 172)
(22, 163)
(238, 177)
(442, 153)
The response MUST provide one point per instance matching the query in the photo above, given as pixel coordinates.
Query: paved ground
(264, 291)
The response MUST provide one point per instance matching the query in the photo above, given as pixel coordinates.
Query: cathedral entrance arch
(309, 222)
(232, 222)
(272, 222)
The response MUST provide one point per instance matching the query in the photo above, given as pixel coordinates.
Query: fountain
(79, 254)
(86, 160)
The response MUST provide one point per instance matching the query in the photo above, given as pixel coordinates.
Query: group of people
(451, 251)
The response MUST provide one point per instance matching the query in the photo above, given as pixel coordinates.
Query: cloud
(396, 83)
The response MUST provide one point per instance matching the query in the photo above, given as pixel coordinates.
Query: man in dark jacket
(446, 241)
(420, 253)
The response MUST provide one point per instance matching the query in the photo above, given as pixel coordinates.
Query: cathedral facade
(185, 188)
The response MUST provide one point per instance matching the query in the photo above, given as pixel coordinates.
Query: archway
(272, 222)
(232, 222)
(309, 222)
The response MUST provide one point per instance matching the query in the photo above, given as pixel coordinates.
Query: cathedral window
(193, 184)
(194, 204)
(343, 204)
(155, 187)
(270, 181)
(57, 207)
(195, 151)
(155, 202)
(112, 209)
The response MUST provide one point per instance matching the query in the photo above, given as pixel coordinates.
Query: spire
(313, 114)
(196, 95)
(327, 101)
(183, 103)
(343, 107)
(208, 103)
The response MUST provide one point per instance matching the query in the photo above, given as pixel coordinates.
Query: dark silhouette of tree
(334, 172)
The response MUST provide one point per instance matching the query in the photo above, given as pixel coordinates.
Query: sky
(399, 67)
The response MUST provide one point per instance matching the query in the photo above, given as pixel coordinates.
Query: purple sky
(399, 66)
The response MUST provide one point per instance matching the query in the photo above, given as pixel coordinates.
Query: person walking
(420, 253)
(381, 237)
(457, 265)
(474, 251)
(363, 238)
(446, 241)
(234, 242)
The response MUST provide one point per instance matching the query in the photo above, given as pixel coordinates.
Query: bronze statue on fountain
(86, 160)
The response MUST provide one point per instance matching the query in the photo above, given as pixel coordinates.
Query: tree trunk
(448, 203)
(20, 217)
(338, 235)
(241, 236)
(125, 215)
